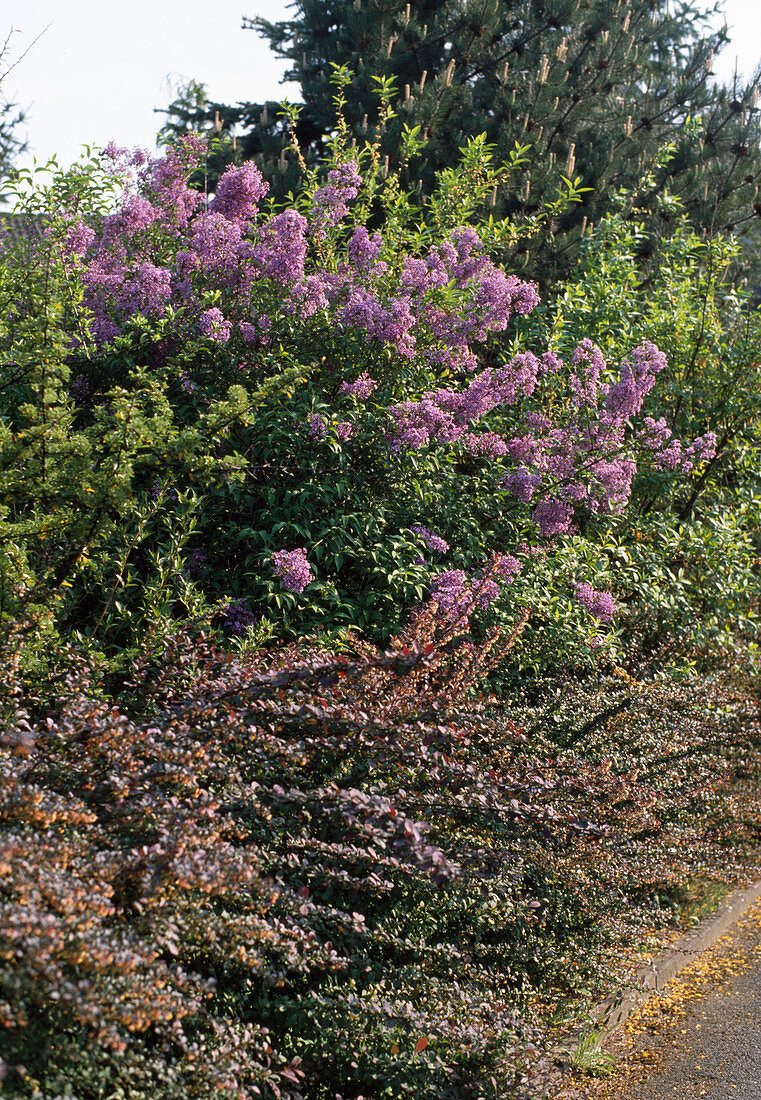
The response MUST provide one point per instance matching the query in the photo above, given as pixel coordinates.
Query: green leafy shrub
(200, 386)
(683, 561)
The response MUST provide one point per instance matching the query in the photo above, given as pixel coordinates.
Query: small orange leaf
(394, 1048)
(421, 1044)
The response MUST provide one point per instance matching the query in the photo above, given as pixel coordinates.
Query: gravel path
(700, 1038)
(717, 1053)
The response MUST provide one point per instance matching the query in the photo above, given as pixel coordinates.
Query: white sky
(102, 66)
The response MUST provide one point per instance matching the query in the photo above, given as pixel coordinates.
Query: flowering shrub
(685, 568)
(256, 384)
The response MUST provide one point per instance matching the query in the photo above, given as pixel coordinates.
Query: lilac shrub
(585, 462)
(327, 387)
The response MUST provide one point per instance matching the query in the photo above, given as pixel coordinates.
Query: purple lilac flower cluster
(79, 238)
(363, 250)
(257, 330)
(238, 193)
(317, 426)
(457, 596)
(215, 248)
(329, 205)
(212, 323)
(672, 454)
(229, 246)
(361, 387)
(292, 567)
(600, 605)
(586, 464)
(490, 297)
(281, 251)
(507, 567)
(453, 595)
(432, 541)
(238, 617)
(583, 464)
(390, 323)
(446, 415)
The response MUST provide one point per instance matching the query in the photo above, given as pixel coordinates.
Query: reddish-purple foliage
(323, 854)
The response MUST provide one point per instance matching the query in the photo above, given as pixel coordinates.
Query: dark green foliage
(595, 89)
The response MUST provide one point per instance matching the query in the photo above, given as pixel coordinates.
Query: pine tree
(597, 89)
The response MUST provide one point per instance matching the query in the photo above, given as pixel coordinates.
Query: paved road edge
(612, 1013)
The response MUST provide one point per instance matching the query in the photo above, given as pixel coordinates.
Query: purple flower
(362, 387)
(522, 483)
(453, 595)
(600, 605)
(362, 249)
(553, 517)
(282, 248)
(585, 387)
(446, 415)
(125, 158)
(550, 363)
(136, 215)
(330, 201)
(293, 568)
(78, 239)
(309, 296)
(391, 323)
(507, 567)
(238, 617)
(624, 399)
(703, 448)
(212, 323)
(487, 444)
(457, 595)
(317, 426)
(216, 242)
(344, 430)
(670, 458)
(165, 181)
(655, 434)
(432, 541)
(486, 592)
(239, 190)
(114, 290)
(256, 331)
